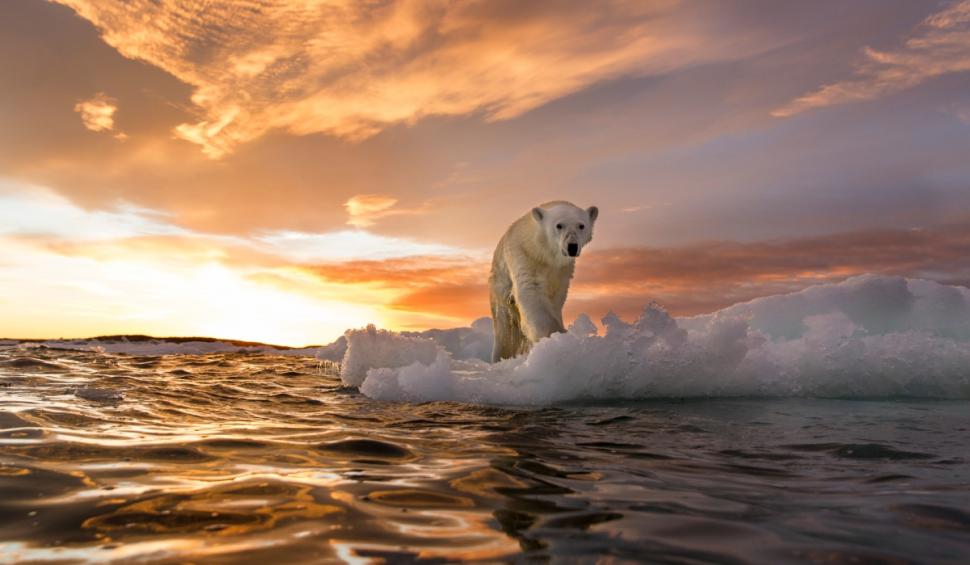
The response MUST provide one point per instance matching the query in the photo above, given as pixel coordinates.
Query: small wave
(861, 451)
(867, 337)
(366, 447)
(31, 363)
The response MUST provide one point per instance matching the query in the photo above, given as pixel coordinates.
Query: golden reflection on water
(414, 514)
(211, 455)
(224, 511)
(484, 482)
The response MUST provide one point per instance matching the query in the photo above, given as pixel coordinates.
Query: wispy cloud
(41, 211)
(962, 113)
(97, 114)
(364, 209)
(939, 46)
(349, 245)
(433, 290)
(350, 69)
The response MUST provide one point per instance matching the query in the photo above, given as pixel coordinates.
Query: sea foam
(867, 337)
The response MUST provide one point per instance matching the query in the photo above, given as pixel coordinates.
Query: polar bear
(531, 269)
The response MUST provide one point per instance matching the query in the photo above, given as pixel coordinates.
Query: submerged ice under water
(868, 337)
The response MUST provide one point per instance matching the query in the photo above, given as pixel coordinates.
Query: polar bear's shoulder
(522, 233)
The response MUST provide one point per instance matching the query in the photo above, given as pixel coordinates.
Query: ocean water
(826, 426)
(244, 457)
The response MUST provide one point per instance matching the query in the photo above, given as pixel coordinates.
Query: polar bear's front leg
(505, 327)
(539, 318)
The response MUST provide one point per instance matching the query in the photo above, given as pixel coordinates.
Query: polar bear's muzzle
(572, 249)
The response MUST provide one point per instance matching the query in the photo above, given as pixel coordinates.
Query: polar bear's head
(567, 227)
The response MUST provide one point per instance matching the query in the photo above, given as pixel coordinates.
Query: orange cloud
(940, 45)
(97, 113)
(363, 209)
(350, 69)
(461, 302)
(426, 290)
(405, 272)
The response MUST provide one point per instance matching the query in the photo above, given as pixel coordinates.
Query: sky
(282, 171)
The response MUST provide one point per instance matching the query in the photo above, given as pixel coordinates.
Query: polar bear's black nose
(572, 249)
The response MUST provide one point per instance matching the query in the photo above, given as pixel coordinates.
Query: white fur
(531, 270)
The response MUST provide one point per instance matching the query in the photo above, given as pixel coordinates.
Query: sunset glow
(283, 171)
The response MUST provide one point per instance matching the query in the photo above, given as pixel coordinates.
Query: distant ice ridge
(150, 347)
(867, 337)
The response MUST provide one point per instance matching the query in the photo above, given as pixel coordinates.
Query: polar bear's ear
(593, 211)
(537, 214)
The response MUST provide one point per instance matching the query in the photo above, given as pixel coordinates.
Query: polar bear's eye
(558, 226)
(582, 226)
